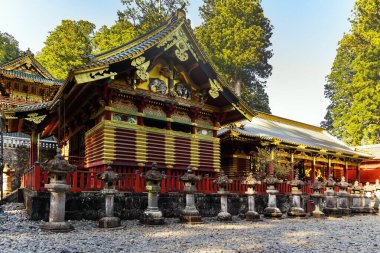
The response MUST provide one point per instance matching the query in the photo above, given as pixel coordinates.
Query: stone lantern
(367, 198)
(377, 195)
(152, 215)
(317, 186)
(222, 181)
(331, 200)
(357, 198)
(58, 168)
(190, 214)
(272, 210)
(296, 210)
(251, 182)
(343, 195)
(109, 177)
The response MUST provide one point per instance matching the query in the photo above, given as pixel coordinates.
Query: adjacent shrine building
(310, 151)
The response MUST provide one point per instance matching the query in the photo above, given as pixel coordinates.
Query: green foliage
(69, 45)
(145, 15)
(107, 38)
(236, 35)
(281, 167)
(354, 82)
(8, 47)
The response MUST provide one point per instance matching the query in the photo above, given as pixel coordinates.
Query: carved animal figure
(182, 90)
(157, 85)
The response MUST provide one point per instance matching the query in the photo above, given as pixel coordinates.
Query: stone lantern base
(252, 216)
(109, 222)
(318, 214)
(333, 212)
(296, 212)
(57, 227)
(331, 205)
(152, 217)
(272, 212)
(343, 203)
(224, 216)
(190, 216)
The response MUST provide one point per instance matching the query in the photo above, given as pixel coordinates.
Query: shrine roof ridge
(28, 55)
(273, 128)
(30, 107)
(373, 149)
(29, 77)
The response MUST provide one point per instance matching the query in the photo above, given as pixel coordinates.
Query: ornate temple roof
(26, 67)
(281, 130)
(373, 149)
(28, 77)
(175, 32)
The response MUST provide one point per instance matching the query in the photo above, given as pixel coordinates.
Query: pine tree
(8, 47)
(354, 82)
(107, 38)
(69, 45)
(145, 15)
(236, 35)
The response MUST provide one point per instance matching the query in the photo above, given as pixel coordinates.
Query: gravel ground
(350, 234)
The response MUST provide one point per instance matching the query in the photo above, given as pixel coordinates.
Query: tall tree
(145, 15)
(69, 45)
(236, 34)
(107, 38)
(8, 47)
(354, 82)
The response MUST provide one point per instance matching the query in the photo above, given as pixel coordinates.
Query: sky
(305, 39)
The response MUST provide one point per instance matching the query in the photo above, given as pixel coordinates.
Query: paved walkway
(349, 234)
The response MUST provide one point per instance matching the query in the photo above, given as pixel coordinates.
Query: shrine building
(156, 99)
(309, 151)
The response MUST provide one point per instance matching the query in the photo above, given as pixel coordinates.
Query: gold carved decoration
(141, 66)
(96, 74)
(33, 117)
(179, 39)
(214, 88)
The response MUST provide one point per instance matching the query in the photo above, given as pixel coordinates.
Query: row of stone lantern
(336, 203)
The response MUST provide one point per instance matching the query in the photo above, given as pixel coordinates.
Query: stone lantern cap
(317, 185)
(296, 182)
(109, 177)
(153, 175)
(368, 187)
(377, 185)
(330, 182)
(251, 181)
(190, 177)
(272, 180)
(58, 165)
(222, 180)
(356, 188)
(343, 184)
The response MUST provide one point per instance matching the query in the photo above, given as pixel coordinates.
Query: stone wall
(90, 205)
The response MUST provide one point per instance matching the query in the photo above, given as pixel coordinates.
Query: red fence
(131, 181)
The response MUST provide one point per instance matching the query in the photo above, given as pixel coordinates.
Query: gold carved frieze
(96, 74)
(154, 110)
(179, 39)
(124, 104)
(35, 118)
(181, 116)
(141, 67)
(215, 87)
(205, 120)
